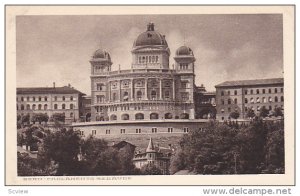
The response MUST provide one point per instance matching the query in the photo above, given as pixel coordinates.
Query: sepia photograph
(187, 95)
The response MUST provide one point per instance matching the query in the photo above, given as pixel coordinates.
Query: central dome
(150, 37)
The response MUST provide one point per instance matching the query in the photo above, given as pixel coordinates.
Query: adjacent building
(50, 100)
(205, 103)
(154, 156)
(244, 95)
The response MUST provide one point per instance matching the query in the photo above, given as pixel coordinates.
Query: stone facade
(150, 90)
(50, 100)
(242, 95)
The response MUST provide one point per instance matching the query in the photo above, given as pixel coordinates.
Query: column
(132, 93)
(146, 88)
(160, 89)
(173, 89)
(109, 91)
(120, 97)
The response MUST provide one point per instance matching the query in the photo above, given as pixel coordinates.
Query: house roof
(257, 82)
(49, 90)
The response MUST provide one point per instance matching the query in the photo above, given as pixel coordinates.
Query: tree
(278, 112)
(177, 162)
(39, 117)
(263, 112)
(58, 117)
(62, 147)
(250, 113)
(150, 170)
(234, 115)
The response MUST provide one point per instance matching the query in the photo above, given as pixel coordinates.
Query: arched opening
(40, 106)
(139, 95)
(184, 116)
(168, 116)
(153, 95)
(45, 107)
(63, 106)
(113, 117)
(153, 116)
(33, 107)
(125, 117)
(125, 96)
(27, 107)
(139, 116)
(71, 106)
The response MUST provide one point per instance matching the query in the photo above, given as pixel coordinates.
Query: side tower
(185, 80)
(100, 67)
(150, 50)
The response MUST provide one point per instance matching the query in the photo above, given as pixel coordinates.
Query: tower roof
(150, 147)
(184, 50)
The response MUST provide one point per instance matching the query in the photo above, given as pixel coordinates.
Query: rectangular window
(100, 99)
(281, 90)
(138, 130)
(170, 129)
(107, 131)
(154, 130)
(264, 91)
(122, 131)
(185, 129)
(94, 132)
(246, 92)
(184, 96)
(184, 84)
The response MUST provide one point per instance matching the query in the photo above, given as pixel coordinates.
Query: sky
(226, 47)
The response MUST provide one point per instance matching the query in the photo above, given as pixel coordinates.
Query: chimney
(53, 84)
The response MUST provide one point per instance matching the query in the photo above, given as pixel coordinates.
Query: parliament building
(148, 95)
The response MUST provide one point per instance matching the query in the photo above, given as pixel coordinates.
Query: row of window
(229, 109)
(183, 66)
(148, 59)
(63, 98)
(45, 107)
(252, 100)
(139, 130)
(140, 116)
(258, 91)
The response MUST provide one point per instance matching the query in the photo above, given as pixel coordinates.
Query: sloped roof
(50, 90)
(251, 82)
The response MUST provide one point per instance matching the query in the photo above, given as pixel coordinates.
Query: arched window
(125, 117)
(184, 116)
(153, 95)
(246, 100)
(257, 91)
(27, 107)
(22, 107)
(63, 98)
(113, 117)
(46, 98)
(55, 106)
(229, 101)
(125, 96)
(168, 116)
(45, 107)
(235, 92)
(276, 98)
(71, 115)
(139, 116)
(71, 98)
(63, 106)
(153, 116)
(264, 100)
(39, 106)
(22, 98)
(275, 90)
(139, 95)
(270, 99)
(167, 94)
(71, 106)
(40, 98)
(235, 100)
(257, 100)
(33, 98)
(281, 99)
(114, 96)
(33, 107)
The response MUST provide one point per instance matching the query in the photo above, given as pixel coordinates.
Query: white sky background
(227, 47)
